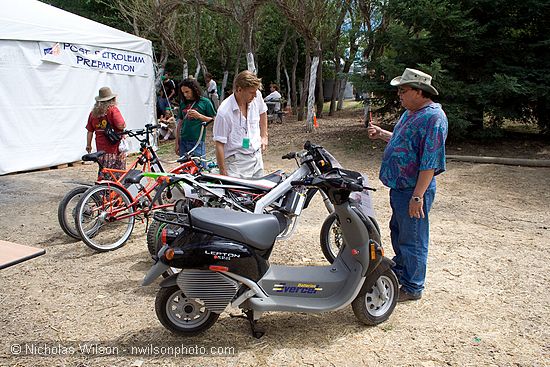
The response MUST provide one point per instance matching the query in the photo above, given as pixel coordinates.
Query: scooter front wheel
(182, 315)
(375, 305)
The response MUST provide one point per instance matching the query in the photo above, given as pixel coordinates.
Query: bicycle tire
(66, 211)
(96, 217)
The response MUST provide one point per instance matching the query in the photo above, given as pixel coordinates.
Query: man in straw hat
(415, 154)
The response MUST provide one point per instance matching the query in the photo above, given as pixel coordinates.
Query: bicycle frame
(151, 163)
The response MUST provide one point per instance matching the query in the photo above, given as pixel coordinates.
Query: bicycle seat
(92, 157)
(133, 176)
(256, 230)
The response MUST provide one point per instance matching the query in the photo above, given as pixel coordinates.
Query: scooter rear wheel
(375, 305)
(181, 315)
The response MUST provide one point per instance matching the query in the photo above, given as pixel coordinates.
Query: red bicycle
(110, 207)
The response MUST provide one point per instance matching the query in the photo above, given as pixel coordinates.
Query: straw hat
(416, 79)
(105, 94)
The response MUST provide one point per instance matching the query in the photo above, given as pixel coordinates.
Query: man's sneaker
(405, 296)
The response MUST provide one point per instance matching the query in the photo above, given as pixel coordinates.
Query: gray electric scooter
(224, 260)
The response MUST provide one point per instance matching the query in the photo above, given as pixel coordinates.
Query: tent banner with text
(100, 59)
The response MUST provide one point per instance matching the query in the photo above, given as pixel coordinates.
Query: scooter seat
(256, 230)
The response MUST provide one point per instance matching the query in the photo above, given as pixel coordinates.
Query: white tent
(52, 64)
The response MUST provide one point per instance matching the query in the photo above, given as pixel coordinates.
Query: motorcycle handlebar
(354, 187)
(290, 155)
(348, 185)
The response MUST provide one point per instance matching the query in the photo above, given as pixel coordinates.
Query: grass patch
(349, 104)
(166, 148)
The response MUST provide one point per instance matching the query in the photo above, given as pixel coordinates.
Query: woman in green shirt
(194, 109)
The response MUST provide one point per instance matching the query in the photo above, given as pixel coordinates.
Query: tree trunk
(161, 66)
(279, 57)
(288, 98)
(238, 60)
(335, 86)
(197, 70)
(185, 72)
(251, 66)
(305, 87)
(341, 92)
(311, 93)
(294, 93)
(203, 67)
(224, 84)
(319, 89)
(354, 47)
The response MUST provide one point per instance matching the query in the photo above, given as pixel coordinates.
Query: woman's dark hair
(191, 84)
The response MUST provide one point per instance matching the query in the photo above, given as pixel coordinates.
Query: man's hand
(264, 143)
(416, 209)
(88, 148)
(375, 132)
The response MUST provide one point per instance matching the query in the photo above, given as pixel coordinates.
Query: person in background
(162, 103)
(169, 86)
(415, 154)
(240, 129)
(212, 90)
(167, 124)
(194, 109)
(105, 111)
(274, 97)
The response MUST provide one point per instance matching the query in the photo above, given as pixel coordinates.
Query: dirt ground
(486, 301)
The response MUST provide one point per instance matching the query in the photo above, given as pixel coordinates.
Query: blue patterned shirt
(417, 144)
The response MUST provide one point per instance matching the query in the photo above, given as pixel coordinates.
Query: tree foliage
(490, 58)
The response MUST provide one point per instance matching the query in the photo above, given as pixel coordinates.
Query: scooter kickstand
(257, 331)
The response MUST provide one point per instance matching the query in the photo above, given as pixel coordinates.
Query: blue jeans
(187, 145)
(410, 238)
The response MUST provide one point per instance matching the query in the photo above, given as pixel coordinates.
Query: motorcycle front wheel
(331, 239)
(375, 305)
(182, 315)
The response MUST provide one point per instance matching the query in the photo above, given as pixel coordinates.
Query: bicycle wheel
(67, 209)
(104, 217)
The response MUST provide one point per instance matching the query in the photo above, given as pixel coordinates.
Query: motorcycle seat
(265, 183)
(256, 230)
